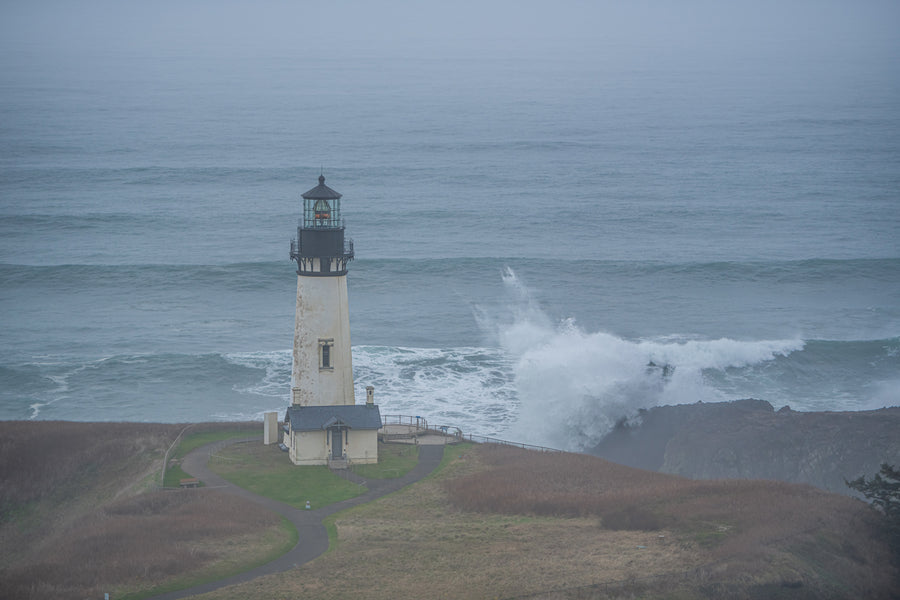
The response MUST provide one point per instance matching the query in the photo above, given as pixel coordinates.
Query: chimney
(370, 396)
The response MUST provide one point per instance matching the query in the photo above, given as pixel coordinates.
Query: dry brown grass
(755, 532)
(416, 544)
(496, 523)
(722, 539)
(82, 516)
(45, 459)
(142, 542)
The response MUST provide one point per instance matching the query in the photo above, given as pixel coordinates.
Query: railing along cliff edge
(421, 425)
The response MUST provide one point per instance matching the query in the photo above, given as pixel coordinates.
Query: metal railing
(417, 422)
(421, 425)
(481, 439)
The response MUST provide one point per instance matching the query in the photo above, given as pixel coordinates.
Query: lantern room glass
(321, 213)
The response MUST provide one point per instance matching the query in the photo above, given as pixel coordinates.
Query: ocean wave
(470, 388)
(550, 384)
(149, 175)
(60, 224)
(160, 276)
(573, 386)
(473, 275)
(524, 374)
(142, 387)
(862, 267)
(276, 366)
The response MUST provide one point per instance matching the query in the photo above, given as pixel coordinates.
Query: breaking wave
(534, 379)
(572, 386)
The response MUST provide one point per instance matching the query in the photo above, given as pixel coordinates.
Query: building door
(337, 442)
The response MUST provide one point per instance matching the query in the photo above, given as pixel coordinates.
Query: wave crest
(574, 386)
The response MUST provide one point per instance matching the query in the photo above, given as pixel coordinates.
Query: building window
(325, 355)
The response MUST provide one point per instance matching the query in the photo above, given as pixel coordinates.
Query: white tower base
(322, 372)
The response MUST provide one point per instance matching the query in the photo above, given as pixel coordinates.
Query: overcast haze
(694, 29)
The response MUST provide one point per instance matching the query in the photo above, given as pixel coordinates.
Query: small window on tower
(325, 361)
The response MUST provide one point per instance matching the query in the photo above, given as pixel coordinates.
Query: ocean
(545, 241)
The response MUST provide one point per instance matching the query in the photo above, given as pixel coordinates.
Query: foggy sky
(686, 30)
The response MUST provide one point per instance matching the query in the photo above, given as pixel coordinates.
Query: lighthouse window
(325, 347)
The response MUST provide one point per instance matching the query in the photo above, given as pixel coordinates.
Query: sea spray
(573, 386)
(521, 374)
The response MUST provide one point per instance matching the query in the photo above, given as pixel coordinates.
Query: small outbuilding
(335, 435)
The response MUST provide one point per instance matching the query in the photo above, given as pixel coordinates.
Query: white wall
(312, 447)
(309, 448)
(322, 313)
(362, 446)
(270, 428)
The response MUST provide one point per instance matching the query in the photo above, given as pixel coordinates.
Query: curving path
(313, 539)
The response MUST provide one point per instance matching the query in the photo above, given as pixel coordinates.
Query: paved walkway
(313, 539)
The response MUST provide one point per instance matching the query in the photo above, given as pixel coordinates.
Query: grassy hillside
(495, 522)
(267, 471)
(760, 537)
(506, 523)
(82, 515)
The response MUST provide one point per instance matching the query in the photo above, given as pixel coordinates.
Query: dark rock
(748, 439)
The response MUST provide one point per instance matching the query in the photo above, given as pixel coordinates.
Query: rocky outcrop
(748, 439)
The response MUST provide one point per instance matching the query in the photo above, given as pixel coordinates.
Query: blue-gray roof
(322, 192)
(317, 418)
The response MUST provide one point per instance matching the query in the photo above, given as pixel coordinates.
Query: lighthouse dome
(322, 192)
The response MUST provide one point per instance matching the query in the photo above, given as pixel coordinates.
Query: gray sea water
(536, 226)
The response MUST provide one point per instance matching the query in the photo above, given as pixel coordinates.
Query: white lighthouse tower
(322, 370)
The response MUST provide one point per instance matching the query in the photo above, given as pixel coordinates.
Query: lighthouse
(322, 367)
(323, 425)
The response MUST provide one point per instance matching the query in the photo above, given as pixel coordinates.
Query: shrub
(884, 492)
(634, 518)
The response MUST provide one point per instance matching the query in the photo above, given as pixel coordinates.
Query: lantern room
(322, 207)
(320, 248)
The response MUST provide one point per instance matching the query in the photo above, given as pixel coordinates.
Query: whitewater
(532, 378)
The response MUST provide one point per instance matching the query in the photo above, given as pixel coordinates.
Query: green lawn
(195, 440)
(394, 460)
(267, 471)
(174, 474)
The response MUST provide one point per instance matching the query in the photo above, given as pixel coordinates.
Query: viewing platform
(405, 429)
(402, 429)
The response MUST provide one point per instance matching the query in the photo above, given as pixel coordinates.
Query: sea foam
(573, 386)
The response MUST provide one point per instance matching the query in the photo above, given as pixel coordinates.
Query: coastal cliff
(748, 439)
